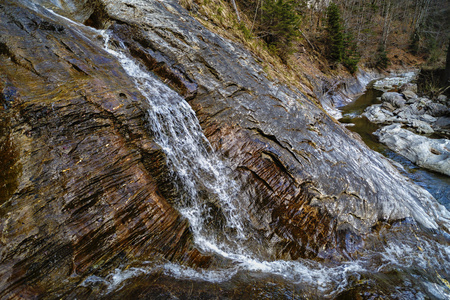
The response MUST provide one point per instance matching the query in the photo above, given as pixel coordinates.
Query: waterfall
(190, 158)
(199, 171)
(411, 262)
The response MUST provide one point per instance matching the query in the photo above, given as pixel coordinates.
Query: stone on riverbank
(420, 114)
(433, 154)
(394, 98)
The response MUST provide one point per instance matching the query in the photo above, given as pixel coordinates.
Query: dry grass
(219, 17)
(306, 66)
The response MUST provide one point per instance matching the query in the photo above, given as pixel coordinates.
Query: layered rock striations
(295, 155)
(81, 172)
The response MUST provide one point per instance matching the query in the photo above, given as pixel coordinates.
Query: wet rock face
(296, 162)
(80, 172)
(87, 187)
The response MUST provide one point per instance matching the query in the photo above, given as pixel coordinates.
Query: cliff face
(86, 188)
(273, 137)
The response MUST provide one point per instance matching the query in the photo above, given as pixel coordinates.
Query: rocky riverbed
(415, 127)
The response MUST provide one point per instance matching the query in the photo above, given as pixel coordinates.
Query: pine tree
(280, 23)
(335, 33)
(351, 55)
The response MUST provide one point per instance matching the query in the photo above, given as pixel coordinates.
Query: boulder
(433, 154)
(427, 118)
(438, 110)
(409, 95)
(443, 99)
(443, 122)
(388, 106)
(377, 114)
(393, 98)
(421, 126)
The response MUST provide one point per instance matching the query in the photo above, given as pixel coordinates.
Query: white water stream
(200, 172)
(192, 160)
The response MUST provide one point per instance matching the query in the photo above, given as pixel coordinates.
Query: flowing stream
(437, 184)
(403, 262)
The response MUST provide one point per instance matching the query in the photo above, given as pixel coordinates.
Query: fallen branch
(304, 36)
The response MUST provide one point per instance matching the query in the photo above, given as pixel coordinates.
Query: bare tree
(236, 10)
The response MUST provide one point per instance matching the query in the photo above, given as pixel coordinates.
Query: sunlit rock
(433, 154)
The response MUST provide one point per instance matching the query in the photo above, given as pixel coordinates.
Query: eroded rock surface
(298, 163)
(79, 166)
(88, 190)
(433, 154)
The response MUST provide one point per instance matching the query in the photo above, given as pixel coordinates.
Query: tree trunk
(236, 10)
(447, 66)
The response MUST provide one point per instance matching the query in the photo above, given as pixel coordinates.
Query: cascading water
(415, 263)
(198, 169)
(192, 162)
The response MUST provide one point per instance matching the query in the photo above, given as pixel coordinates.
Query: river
(437, 184)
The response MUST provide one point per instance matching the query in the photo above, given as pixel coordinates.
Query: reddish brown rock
(80, 190)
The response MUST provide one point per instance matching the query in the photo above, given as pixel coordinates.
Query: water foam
(190, 156)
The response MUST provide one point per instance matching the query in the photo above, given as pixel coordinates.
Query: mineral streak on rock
(78, 163)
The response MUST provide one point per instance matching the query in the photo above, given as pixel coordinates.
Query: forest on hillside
(350, 30)
(341, 35)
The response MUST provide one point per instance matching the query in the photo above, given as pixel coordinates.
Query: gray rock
(433, 154)
(443, 122)
(377, 114)
(388, 106)
(409, 95)
(427, 118)
(438, 109)
(442, 99)
(388, 83)
(423, 101)
(394, 98)
(421, 126)
(417, 108)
